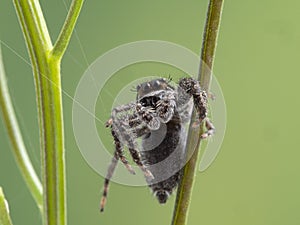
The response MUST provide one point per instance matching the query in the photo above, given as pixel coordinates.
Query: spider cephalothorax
(157, 117)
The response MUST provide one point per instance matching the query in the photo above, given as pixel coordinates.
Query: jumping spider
(157, 117)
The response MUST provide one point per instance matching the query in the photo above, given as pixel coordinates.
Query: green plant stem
(4, 211)
(184, 192)
(46, 68)
(209, 44)
(67, 29)
(38, 44)
(15, 137)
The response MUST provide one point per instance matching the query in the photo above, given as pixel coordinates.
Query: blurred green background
(255, 178)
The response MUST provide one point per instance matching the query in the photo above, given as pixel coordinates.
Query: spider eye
(149, 101)
(143, 101)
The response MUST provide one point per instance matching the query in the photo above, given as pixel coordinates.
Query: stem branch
(67, 29)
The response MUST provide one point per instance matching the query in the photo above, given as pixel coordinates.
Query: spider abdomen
(162, 153)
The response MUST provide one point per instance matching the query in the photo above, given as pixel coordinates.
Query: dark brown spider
(157, 116)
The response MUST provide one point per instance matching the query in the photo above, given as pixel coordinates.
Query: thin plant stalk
(63, 39)
(4, 210)
(17, 143)
(184, 192)
(46, 62)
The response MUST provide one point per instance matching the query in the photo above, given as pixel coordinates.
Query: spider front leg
(210, 129)
(130, 132)
(136, 156)
(165, 107)
(126, 129)
(110, 172)
(119, 109)
(118, 154)
(148, 116)
(193, 89)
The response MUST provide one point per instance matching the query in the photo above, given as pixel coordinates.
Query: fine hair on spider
(157, 117)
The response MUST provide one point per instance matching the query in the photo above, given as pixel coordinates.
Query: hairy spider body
(157, 117)
(169, 149)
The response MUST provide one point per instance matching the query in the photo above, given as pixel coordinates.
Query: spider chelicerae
(157, 117)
